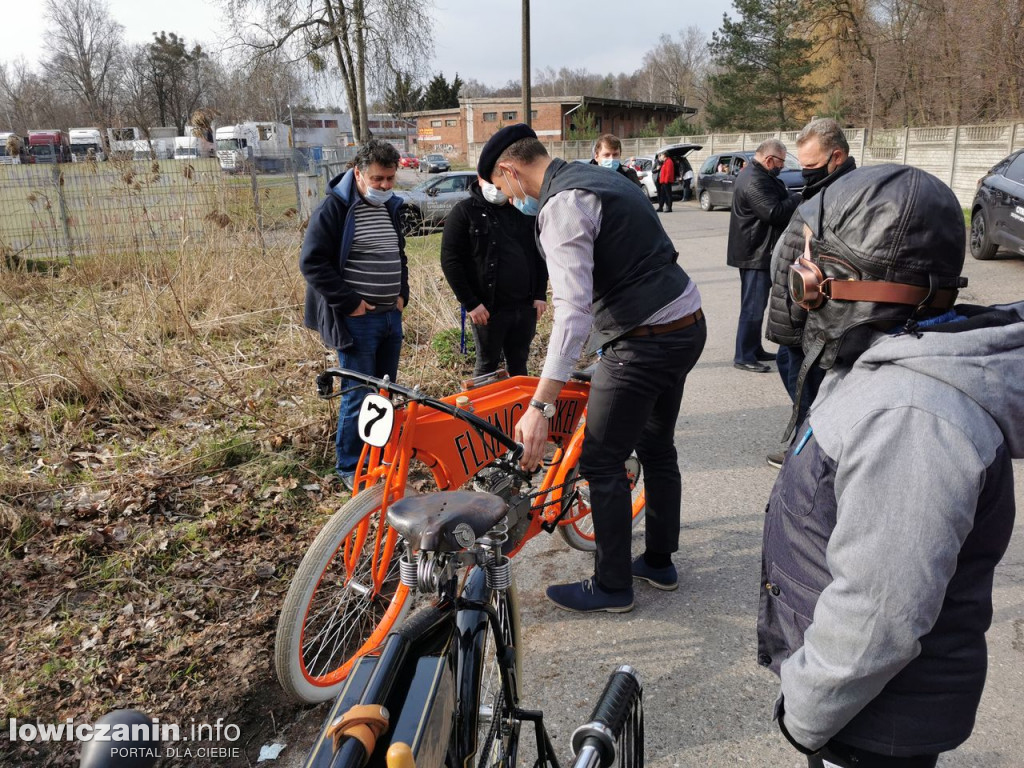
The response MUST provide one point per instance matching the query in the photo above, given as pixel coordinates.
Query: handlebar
(594, 744)
(325, 389)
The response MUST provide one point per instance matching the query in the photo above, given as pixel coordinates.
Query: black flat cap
(498, 143)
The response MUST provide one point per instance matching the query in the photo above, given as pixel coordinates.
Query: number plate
(376, 420)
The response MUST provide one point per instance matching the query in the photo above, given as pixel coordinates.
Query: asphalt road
(707, 702)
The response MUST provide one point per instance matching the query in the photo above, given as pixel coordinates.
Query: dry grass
(165, 463)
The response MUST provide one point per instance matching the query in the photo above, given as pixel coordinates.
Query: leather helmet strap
(889, 293)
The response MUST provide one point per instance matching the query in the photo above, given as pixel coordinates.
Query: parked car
(645, 163)
(718, 175)
(407, 160)
(435, 164)
(997, 213)
(427, 204)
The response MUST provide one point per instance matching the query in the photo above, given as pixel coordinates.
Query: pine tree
(404, 96)
(440, 94)
(763, 67)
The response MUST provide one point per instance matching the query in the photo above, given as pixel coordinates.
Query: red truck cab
(49, 146)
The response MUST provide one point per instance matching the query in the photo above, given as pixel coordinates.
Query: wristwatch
(548, 409)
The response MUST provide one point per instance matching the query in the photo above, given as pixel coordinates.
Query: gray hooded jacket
(882, 534)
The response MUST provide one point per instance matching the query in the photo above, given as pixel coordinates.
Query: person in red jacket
(665, 178)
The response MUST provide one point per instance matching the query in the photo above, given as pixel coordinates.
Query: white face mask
(377, 196)
(492, 194)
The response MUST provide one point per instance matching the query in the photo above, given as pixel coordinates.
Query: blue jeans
(376, 345)
(755, 285)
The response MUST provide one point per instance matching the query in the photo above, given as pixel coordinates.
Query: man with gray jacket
(896, 501)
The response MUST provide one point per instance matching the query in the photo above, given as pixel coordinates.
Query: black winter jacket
(761, 209)
(786, 319)
(477, 237)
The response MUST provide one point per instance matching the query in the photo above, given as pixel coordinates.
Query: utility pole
(526, 62)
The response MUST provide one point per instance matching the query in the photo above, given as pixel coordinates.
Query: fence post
(1013, 135)
(863, 146)
(255, 192)
(58, 182)
(956, 147)
(295, 177)
(906, 142)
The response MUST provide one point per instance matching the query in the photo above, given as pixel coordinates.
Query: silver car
(427, 205)
(435, 164)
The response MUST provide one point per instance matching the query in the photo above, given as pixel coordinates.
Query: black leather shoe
(752, 367)
(764, 357)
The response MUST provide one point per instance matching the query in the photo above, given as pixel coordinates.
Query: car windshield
(424, 185)
(792, 164)
(434, 158)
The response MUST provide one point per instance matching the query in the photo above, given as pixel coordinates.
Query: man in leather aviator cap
(896, 501)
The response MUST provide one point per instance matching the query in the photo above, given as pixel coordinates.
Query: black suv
(718, 175)
(997, 213)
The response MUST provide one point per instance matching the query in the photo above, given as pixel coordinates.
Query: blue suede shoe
(588, 597)
(660, 578)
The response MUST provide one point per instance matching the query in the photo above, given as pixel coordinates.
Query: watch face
(549, 410)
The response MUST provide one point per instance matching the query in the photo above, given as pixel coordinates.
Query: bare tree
(84, 44)
(28, 100)
(369, 41)
(677, 67)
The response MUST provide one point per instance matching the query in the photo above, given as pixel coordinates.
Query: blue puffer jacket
(325, 249)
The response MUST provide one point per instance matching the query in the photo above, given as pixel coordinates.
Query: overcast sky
(479, 39)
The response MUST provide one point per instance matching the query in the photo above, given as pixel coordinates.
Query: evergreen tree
(403, 97)
(440, 94)
(763, 67)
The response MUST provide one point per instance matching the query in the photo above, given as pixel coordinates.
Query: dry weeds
(165, 464)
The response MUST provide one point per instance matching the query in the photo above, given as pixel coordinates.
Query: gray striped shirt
(374, 265)
(568, 225)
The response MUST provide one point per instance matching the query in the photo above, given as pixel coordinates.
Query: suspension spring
(407, 569)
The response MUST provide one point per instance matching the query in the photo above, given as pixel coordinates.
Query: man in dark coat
(357, 282)
(490, 258)
(608, 154)
(761, 209)
(824, 154)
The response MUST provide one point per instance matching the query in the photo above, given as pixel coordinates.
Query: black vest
(635, 269)
(929, 706)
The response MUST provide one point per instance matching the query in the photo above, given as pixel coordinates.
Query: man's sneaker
(776, 458)
(587, 597)
(660, 578)
(348, 479)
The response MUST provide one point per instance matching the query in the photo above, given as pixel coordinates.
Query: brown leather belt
(676, 325)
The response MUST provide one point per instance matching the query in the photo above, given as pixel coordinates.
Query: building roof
(599, 101)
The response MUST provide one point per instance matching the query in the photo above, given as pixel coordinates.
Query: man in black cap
(611, 266)
(895, 504)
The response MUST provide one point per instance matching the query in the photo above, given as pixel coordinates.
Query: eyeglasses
(776, 157)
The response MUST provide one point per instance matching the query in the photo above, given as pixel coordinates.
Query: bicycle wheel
(577, 528)
(497, 730)
(328, 619)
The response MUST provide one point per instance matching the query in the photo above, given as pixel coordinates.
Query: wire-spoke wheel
(497, 728)
(577, 526)
(332, 614)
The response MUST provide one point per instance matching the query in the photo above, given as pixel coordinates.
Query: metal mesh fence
(66, 211)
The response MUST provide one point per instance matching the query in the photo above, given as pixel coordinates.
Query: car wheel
(982, 247)
(411, 220)
(705, 201)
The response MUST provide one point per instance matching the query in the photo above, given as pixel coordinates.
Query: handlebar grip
(618, 700)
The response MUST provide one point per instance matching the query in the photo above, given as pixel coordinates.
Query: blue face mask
(530, 206)
(610, 162)
(377, 196)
